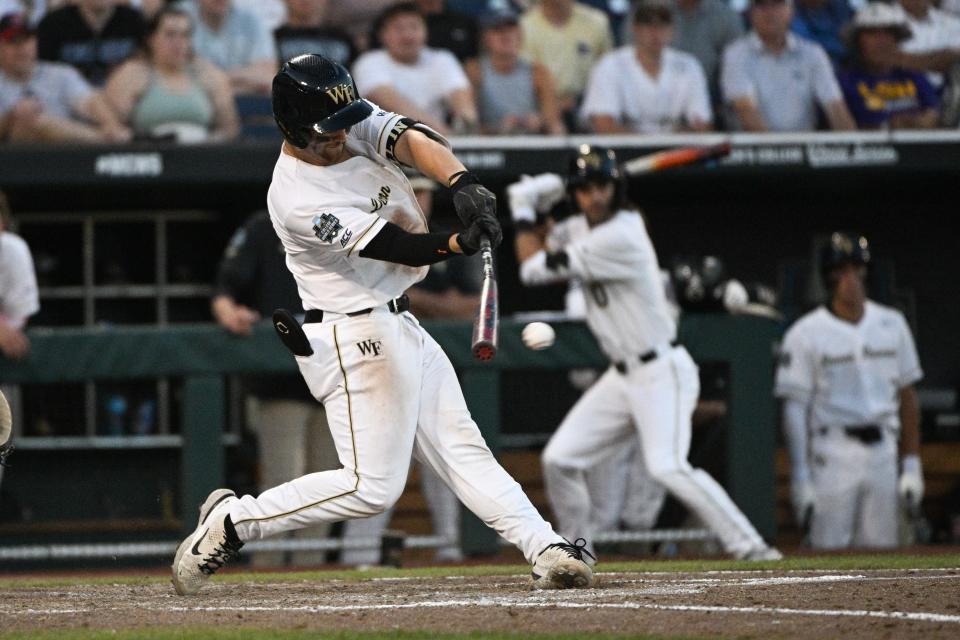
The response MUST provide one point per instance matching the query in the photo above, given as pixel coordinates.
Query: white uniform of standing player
(389, 390)
(842, 383)
(623, 495)
(652, 389)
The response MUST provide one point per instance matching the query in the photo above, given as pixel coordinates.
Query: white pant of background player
(856, 488)
(383, 404)
(655, 402)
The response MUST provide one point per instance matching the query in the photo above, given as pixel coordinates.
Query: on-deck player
(355, 239)
(846, 377)
(651, 387)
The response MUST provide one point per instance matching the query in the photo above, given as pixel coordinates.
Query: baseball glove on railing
(6, 429)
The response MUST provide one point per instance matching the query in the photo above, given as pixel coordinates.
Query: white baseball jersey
(620, 87)
(626, 306)
(849, 373)
(326, 215)
(575, 304)
(628, 312)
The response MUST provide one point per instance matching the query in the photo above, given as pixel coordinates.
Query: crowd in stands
(112, 71)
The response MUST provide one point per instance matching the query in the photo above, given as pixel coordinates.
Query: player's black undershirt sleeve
(393, 244)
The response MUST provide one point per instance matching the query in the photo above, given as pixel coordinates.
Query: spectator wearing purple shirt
(878, 93)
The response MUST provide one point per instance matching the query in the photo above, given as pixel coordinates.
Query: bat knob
(484, 352)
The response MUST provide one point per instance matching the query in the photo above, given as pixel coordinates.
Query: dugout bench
(203, 354)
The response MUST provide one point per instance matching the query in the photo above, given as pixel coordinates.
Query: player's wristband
(461, 179)
(910, 464)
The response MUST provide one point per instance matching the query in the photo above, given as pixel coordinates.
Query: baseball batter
(355, 239)
(651, 387)
(846, 378)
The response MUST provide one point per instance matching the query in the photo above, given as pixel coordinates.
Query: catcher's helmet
(842, 249)
(313, 94)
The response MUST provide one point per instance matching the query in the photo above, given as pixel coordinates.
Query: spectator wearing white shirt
(406, 76)
(774, 81)
(236, 41)
(18, 288)
(648, 87)
(934, 43)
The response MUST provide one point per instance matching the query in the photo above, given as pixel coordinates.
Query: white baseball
(538, 335)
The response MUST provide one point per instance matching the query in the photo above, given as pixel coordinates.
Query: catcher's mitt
(6, 428)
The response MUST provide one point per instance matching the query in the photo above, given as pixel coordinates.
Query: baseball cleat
(209, 547)
(762, 553)
(561, 566)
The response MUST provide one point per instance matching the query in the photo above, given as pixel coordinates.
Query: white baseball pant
(388, 390)
(293, 439)
(856, 491)
(444, 514)
(654, 401)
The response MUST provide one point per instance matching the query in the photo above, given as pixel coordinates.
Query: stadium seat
(256, 118)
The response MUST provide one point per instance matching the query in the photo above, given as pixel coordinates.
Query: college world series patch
(326, 226)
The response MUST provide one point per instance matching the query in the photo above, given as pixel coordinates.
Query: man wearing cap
(648, 87)
(773, 80)
(878, 93)
(514, 96)
(47, 101)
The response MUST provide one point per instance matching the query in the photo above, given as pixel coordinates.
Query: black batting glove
(471, 199)
(483, 227)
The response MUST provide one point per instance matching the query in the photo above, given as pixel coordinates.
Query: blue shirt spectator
(823, 21)
(235, 41)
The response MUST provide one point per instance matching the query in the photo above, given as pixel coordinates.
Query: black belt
(397, 305)
(865, 433)
(644, 358)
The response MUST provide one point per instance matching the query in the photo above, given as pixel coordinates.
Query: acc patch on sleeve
(326, 227)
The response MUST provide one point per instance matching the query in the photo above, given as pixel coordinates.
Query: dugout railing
(204, 355)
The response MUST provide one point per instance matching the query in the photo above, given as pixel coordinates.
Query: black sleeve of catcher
(558, 260)
(393, 244)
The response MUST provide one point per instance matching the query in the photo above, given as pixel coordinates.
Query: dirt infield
(789, 604)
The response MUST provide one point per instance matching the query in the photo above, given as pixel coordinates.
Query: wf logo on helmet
(341, 93)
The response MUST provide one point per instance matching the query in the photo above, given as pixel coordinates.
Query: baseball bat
(487, 320)
(6, 432)
(671, 158)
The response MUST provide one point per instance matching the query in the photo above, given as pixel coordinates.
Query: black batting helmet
(313, 94)
(842, 249)
(596, 164)
(593, 164)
